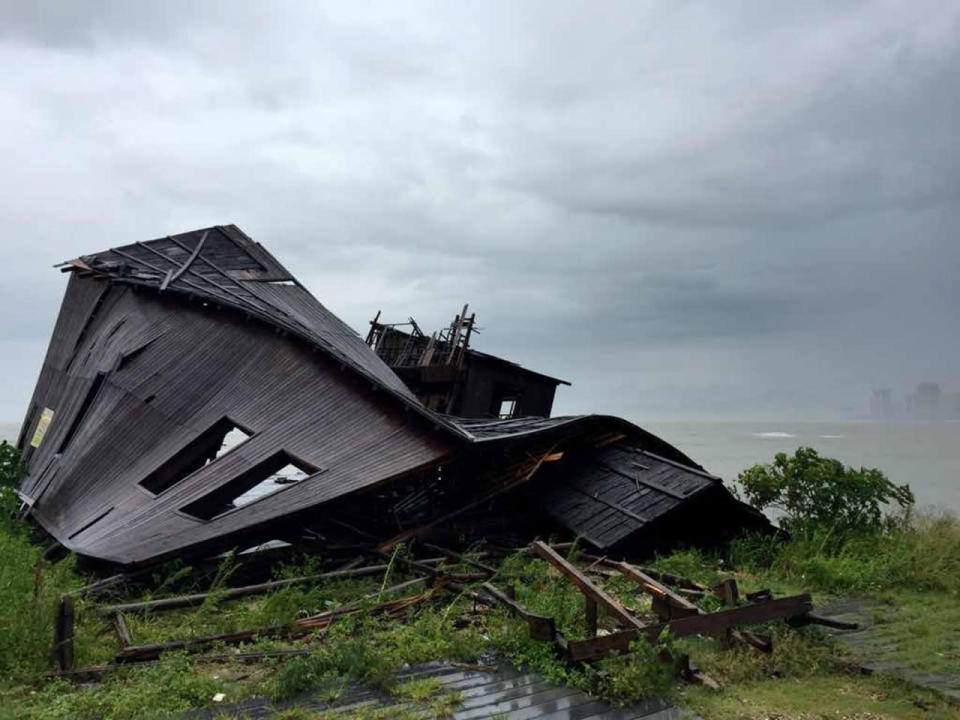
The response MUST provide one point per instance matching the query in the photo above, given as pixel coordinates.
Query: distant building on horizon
(928, 402)
(881, 404)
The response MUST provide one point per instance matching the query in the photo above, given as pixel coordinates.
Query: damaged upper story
(195, 397)
(450, 376)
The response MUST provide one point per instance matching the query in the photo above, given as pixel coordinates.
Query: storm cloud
(687, 209)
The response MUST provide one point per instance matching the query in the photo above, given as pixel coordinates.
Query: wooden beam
(541, 626)
(123, 632)
(728, 592)
(708, 624)
(587, 587)
(461, 558)
(590, 610)
(304, 626)
(63, 634)
(180, 601)
(659, 591)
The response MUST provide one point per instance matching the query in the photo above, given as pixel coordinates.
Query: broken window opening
(508, 408)
(88, 399)
(219, 439)
(265, 478)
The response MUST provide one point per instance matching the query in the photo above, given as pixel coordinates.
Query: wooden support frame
(587, 587)
(794, 606)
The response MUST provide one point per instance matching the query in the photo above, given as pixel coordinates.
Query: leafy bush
(816, 494)
(12, 471)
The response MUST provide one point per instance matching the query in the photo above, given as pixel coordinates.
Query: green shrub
(816, 494)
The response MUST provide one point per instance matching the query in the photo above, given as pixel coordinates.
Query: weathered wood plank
(659, 591)
(123, 632)
(181, 601)
(590, 610)
(541, 626)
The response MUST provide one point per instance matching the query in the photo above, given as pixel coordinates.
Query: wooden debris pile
(674, 609)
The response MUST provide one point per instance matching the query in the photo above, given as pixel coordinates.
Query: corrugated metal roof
(614, 491)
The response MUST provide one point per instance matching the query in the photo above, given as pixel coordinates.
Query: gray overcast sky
(690, 210)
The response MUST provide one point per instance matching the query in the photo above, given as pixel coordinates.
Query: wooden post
(591, 613)
(63, 634)
(728, 592)
(123, 632)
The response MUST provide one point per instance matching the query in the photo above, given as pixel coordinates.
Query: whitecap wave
(775, 434)
(831, 437)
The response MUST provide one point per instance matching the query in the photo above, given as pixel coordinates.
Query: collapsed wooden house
(196, 397)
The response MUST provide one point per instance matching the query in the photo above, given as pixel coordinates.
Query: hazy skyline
(689, 210)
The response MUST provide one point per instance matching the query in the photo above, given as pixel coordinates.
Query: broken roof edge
(517, 366)
(530, 426)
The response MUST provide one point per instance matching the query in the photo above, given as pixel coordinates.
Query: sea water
(926, 456)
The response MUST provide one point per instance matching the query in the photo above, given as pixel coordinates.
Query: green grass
(909, 577)
(29, 592)
(821, 697)
(920, 630)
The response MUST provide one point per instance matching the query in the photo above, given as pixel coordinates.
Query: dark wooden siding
(489, 381)
(171, 370)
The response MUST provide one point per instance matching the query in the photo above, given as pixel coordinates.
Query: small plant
(637, 674)
(815, 493)
(419, 690)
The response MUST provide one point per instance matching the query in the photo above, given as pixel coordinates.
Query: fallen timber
(304, 626)
(707, 624)
(676, 612)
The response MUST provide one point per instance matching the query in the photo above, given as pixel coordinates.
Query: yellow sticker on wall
(46, 417)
